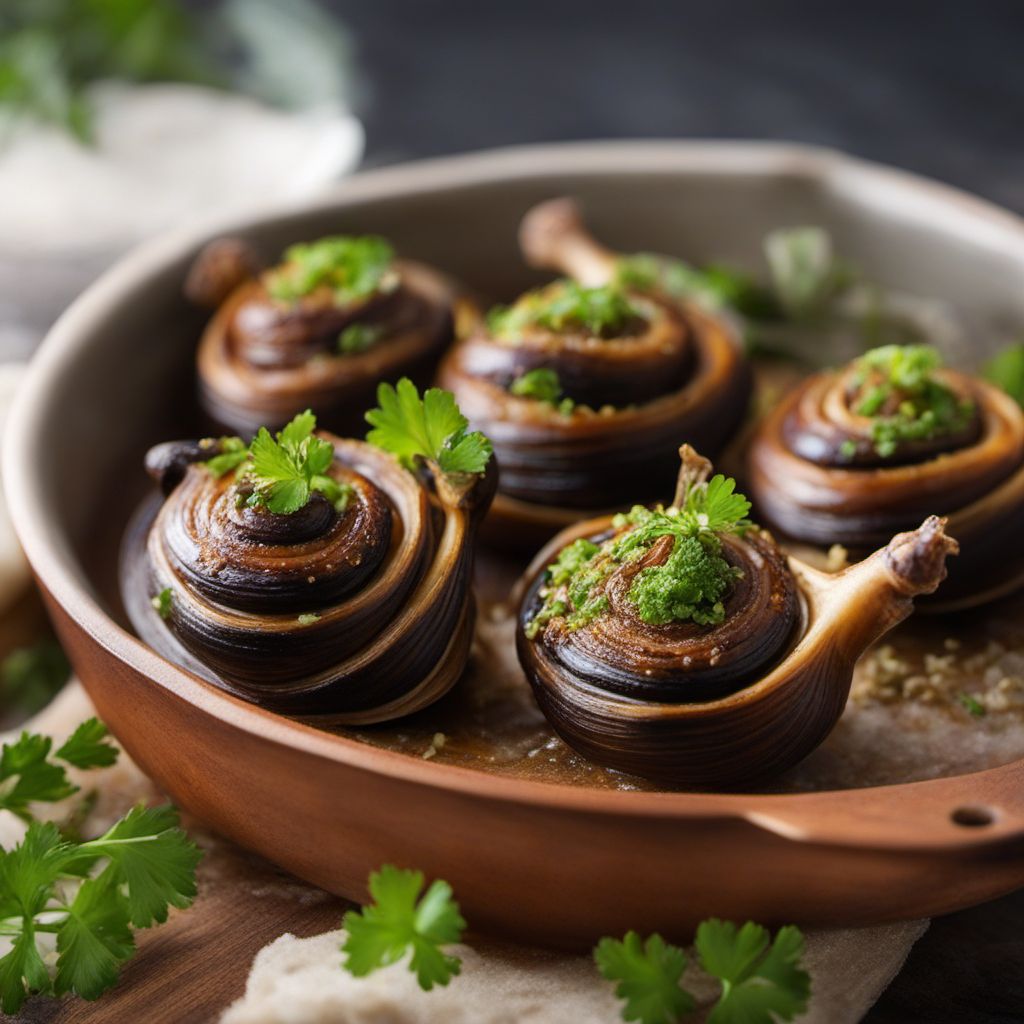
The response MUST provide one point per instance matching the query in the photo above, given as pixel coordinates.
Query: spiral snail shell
(639, 669)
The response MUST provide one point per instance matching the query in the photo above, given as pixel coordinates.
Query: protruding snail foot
(221, 266)
(552, 236)
(694, 470)
(917, 559)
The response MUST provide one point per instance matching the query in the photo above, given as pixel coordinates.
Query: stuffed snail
(588, 385)
(319, 330)
(853, 455)
(323, 578)
(680, 644)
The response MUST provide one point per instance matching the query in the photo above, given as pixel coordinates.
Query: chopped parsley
(972, 705)
(358, 338)
(690, 585)
(163, 602)
(308, 618)
(543, 385)
(1006, 371)
(566, 306)
(431, 427)
(350, 267)
(895, 386)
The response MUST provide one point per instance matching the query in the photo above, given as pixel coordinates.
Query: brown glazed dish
(546, 862)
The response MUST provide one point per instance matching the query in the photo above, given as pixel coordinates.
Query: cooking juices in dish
(320, 577)
(588, 385)
(680, 644)
(853, 455)
(318, 330)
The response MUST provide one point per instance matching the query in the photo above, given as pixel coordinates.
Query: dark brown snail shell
(675, 373)
(719, 705)
(359, 616)
(261, 361)
(808, 489)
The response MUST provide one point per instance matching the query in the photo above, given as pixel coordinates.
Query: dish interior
(130, 384)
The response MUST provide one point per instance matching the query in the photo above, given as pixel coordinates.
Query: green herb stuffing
(689, 586)
(1006, 371)
(358, 338)
(896, 387)
(566, 306)
(282, 472)
(431, 427)
(401, 921)
(543, 385)
(351, 267)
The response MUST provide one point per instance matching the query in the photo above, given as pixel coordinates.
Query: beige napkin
(299, 981)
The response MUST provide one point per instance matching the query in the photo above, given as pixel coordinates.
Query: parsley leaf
(431, 427)
(27, 775)
(231, 453)
(90, 894)
(1006, 371)
(648, 975)
(87, 746)
(761, 982)
(284, 472)
(395, 924)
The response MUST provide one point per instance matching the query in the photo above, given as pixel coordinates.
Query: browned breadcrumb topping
(990, 680)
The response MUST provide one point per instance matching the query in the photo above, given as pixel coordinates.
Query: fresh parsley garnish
(349, 267)
(29, 774)
(281, 472)
(89, 895)
(895, 386)
(431, 427)
(401, 921)
(358, 338)
(1006, 371)
(564, 306)
(231, 453)
(762, 981)
(648, 976)
(690, 585)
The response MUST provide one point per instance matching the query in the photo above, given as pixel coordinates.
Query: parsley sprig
(761, 979)
(399, 921)
(431, 428)
(282, 471)
(85, 896)
(542, 384)
(349, 267)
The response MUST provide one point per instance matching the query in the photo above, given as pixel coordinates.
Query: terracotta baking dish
(554, 863)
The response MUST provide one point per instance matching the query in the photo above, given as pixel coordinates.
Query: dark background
(933, 87)
(936, 88)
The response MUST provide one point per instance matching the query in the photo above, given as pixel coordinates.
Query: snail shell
(260, 361)
(352, 617)
(807, 489)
